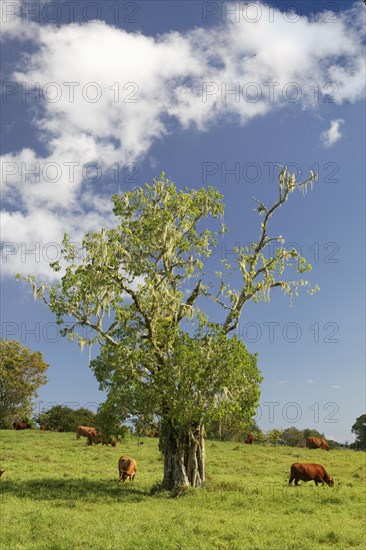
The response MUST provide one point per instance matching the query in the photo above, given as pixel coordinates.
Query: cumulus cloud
(15, 23)
(336, 387)
(108, 94)
(333, 134)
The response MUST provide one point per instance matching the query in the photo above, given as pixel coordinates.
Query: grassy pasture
(59, 494)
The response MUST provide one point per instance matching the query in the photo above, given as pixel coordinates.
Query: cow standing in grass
(317, 443)
(104, 439)
(127, 468)
(310, 472)
(21, 426)
(88, 432)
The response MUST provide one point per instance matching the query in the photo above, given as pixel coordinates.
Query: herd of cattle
(299, 471)
(127, 466)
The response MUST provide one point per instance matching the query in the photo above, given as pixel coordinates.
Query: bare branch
(287, 184)
(218, 301)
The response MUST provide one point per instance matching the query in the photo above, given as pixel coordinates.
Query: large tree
(160, 354)
(21, 374)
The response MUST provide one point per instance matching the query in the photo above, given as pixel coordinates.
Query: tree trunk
(184, 455)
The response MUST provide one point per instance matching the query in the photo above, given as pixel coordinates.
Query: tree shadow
(68, 490)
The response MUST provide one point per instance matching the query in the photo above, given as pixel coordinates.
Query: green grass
(59, 494)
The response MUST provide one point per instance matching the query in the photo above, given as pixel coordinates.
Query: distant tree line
(61, 418)
(229, 429)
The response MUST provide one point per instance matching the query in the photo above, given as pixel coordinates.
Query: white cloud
(333, 134)
(15, 24)
(310, 381)
(336, 387)
(142, 84)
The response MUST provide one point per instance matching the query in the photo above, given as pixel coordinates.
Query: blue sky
(148, 89)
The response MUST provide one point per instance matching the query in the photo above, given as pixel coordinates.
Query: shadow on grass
(73, 489)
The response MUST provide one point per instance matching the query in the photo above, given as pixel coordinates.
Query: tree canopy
(141, 287)
(61, 418)
(359, 428)
(204, 380)
(21, 373)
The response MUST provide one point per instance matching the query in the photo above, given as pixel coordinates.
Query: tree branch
(287, 184)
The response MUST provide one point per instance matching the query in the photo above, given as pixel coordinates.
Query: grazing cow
(43, 427)
(104, 440)
(87, 432)
(250, 438)
(317, 443)
(308, 472)
(21, 426)
(109, 441)
(1, 472)
(127, 468)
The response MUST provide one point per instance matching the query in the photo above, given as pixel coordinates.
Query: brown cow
(250, 438)
(308, 472)
(21, 426)
(86, 431)
(127, 468)
(317, 443)
(107, 442)
(104, 440)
